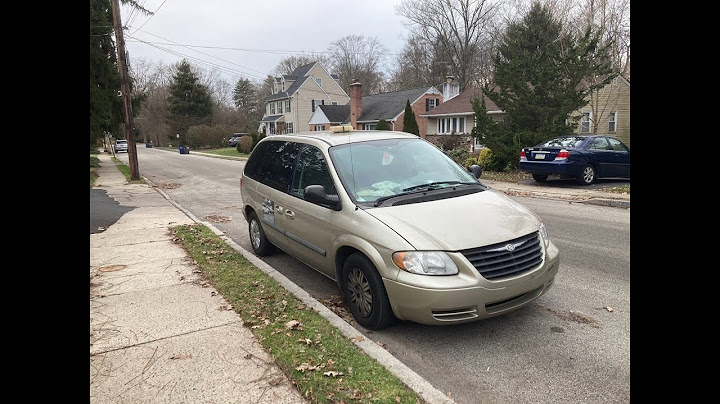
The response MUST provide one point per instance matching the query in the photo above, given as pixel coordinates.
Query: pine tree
(540, 79)
(189, 102)
(410, 125)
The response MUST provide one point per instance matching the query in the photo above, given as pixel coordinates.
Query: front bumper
(462, 305)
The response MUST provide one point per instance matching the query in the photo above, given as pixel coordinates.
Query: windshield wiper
(437, 184)
(417, 189)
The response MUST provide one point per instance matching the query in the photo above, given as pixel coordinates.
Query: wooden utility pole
(125, 89)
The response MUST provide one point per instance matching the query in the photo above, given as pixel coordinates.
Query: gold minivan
(405, 231)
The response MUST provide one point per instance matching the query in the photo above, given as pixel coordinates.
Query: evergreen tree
(245, 96)
(382, 125)
(106, 105)
(189, 102)
(410, 125)
(541, 77)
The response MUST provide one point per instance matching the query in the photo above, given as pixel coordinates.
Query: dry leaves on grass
(217, 218)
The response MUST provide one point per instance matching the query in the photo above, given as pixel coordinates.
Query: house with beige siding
(450, 125)
(607, 111)
(296, 97)
(364, 113)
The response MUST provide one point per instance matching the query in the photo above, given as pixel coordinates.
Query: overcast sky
(248, 38)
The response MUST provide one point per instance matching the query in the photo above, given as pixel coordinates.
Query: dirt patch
(217, 218)
(576, 317)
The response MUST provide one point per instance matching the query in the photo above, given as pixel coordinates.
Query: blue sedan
(582, 157)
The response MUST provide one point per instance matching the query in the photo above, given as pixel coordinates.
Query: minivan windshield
(378, 169)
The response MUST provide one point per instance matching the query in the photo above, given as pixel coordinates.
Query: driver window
(311, 169)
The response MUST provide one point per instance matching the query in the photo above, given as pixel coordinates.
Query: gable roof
(462, 104)
(387, 106)
(299, 76)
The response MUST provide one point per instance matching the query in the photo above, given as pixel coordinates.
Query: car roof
(339, 138)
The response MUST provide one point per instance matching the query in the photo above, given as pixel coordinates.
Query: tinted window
(312, 169)
(277, 164)
(253, 164)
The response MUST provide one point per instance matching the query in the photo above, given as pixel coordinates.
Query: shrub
(489, 161)
(459, 154)
(245, 145)
(382, 125)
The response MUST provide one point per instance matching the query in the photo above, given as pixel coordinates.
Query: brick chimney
(355, 102)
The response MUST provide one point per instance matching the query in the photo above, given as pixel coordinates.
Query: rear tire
(588, 175)
(260, 244)
(365, 293)
(539, 177)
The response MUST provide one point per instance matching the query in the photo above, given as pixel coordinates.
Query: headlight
(425, 262)
(544, 234)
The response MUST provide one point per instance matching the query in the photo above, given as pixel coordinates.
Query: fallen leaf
(248, 356)
(608, 308)
(332, 373)
(307, 341)
(306, 366)
(181, 356)
(359, 338)
(293, 325)
(213, 293)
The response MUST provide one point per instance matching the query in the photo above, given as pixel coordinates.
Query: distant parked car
(233, 141)
(583, 157)
(121, 146)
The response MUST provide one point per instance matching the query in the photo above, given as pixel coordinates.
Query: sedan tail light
(563, 155)
(522, 155)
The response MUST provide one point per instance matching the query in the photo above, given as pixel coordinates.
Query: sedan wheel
(588, 175)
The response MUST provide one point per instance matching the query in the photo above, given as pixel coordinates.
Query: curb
(409, 377)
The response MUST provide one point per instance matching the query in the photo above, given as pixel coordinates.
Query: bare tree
(418, 65)
(290, 63)
(358, 57)
(460, 30)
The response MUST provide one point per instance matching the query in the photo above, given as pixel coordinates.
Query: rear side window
(252, 167)
(278, 162)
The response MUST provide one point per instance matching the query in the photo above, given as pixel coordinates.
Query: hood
(458, 223)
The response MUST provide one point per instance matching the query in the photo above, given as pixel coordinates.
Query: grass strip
(324, 365)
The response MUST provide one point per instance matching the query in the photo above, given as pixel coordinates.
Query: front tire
(540, 177)
(365, 293)
(588, 175)
(260, 244)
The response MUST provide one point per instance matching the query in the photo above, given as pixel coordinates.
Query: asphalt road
(572, 345)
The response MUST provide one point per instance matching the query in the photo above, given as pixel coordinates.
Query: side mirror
(316, 194)
(476, 170)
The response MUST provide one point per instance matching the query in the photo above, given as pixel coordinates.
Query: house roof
(299, 75)
(462, 104)
(387, 106)
(272, 118)
(336, 113)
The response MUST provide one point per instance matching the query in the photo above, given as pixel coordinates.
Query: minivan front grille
(508, 258)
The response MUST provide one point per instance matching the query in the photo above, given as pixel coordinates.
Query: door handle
(279, 209)
(290, 214)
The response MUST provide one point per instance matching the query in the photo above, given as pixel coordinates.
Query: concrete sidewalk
(159, 335)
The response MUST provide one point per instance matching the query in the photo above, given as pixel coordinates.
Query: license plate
(539, 157)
